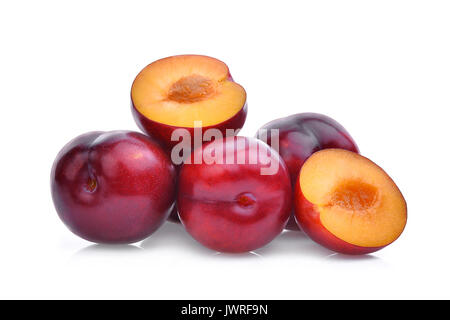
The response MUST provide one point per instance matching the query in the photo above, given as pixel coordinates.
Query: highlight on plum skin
(347, 203)
(299, 136)
(113, 187)
(232, 207)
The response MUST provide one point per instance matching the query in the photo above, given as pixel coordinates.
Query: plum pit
(192, 89)
(354, 195)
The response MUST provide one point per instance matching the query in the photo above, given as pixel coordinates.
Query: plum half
(347, 203)
(178, 91)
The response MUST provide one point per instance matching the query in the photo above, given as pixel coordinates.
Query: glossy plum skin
(113, 187)
(302, 134)
(163, 132)
(308, 217)
(231, 207)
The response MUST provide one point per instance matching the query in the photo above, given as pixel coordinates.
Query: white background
(380, 68)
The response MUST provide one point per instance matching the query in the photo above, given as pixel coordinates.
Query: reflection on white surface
(243, 255)
(344, 257)
(293, 243)
(172, 237)
(96, 249)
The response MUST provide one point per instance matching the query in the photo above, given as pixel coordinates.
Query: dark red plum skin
(302, 134)
(113, 187)
(231, 207)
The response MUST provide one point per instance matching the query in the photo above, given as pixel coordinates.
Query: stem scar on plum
(91, 185)
(246, 199)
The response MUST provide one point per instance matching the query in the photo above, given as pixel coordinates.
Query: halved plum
(183, 91)
(347, 203)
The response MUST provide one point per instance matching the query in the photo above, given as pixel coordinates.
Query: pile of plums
(231, 193)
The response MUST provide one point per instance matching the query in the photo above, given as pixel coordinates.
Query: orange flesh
(180, 90)
(356, 200)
